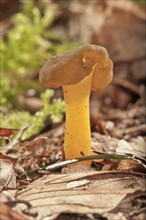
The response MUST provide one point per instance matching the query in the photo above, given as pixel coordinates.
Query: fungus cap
(73, 66)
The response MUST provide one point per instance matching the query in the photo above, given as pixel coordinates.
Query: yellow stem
(77, 133)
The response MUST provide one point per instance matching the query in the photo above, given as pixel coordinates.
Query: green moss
(53, 110)
(141, 2)
(26, 47)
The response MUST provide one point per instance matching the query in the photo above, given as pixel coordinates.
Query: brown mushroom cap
(73, 66)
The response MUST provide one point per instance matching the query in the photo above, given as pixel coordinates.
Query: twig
(130, 7)
(136, 212)
(131, 60)
(128, 85)
(135, 129)
(14, 141)
(8, 180)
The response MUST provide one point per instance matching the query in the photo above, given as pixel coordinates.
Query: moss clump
(53, 110)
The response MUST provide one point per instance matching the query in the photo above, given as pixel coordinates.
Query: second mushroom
(78, 71)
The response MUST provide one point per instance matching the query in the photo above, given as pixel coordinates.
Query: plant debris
(36, 181)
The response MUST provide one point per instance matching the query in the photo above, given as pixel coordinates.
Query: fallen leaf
(129, 165)
(7, 179)
(115, 216)
(6, 213)
(82, 193)
(6, 132)
(135, 147)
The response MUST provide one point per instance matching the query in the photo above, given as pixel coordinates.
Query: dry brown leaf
(7, 180)
(135, 147)
(6, 213)
(130, 165)
(82, 193)
(6, 132)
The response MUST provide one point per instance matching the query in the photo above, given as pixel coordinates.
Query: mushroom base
(77, 132)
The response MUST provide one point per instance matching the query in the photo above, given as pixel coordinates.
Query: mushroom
(78, 71)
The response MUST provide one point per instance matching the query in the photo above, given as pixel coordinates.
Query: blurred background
(33, 30)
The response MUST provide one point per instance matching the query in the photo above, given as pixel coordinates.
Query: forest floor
(111, 189)
(114, 187)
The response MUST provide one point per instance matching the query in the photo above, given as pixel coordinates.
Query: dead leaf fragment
(135, 147)
(75, 184)
(82, 193)
(115, 216)
(129, 165)
(6, 213)
(7, 179)
(6, 132)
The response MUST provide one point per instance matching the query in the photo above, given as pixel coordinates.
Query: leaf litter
(86, 193)
(113, 189)
(104, 192)
(99, 193)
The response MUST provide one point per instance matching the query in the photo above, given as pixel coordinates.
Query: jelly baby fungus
(78, 71)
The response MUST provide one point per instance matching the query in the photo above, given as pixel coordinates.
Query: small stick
(14, 141)
(135, 129)
(126, 84)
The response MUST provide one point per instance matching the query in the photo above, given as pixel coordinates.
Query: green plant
(142, 2)
(36, 122)
(27, 45)
(7, 93)
(12, 88)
